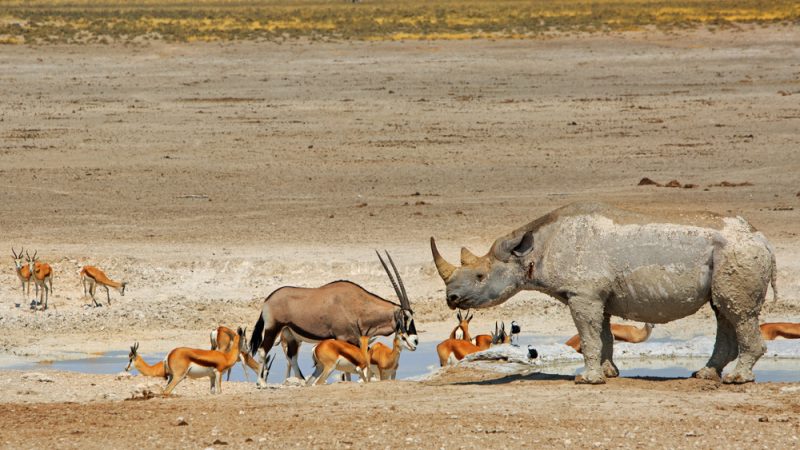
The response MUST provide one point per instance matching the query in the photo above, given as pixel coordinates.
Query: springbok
(463, 325)
(24, 274)
(156, 370)
(222, 339)
(384, 360)
(333, 354)
(196, 363)
(482, 341)
(624, 333)
(92, 276)
(786, 330)
(330, 312)
(451, 351)
(42, 276)
(603, 261)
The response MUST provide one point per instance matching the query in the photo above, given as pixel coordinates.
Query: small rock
(293, 381)
(181, 422)
(36, 376)
(219, 442)
(124, 376)
(763, 419)
(673, 184)
(647, 182)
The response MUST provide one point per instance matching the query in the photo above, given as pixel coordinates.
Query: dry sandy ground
(464, 409)
(207, 175)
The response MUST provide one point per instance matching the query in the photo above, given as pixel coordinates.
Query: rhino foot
(737, 378)
(610, 370)
(584, 379)
(707, 373)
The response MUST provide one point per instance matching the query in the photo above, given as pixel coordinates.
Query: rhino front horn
(445, 268)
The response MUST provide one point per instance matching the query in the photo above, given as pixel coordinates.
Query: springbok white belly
(344, 365)
(198, 371)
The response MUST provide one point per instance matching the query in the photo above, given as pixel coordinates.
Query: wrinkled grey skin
(603, 261)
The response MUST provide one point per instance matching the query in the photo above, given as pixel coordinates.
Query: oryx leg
(607, 354)
(588, 315)
(291, 349)
(725, 349)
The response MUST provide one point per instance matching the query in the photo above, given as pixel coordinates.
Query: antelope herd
(41, 274)
(341, 318)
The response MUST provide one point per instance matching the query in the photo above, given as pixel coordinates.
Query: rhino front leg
(588, 315)
(610, 369)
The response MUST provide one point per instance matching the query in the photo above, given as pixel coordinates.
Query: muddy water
(424, 361)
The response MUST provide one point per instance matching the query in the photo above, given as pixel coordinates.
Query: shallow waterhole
(633, 360)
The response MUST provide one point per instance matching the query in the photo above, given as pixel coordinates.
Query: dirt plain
(207, 175)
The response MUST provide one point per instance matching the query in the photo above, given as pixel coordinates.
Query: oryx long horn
(467, 258)
(391, 278)
(404, 299)
(445, 268)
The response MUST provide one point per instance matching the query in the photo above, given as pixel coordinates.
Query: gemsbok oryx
(332, 311)
(92, 276)
(602, 261)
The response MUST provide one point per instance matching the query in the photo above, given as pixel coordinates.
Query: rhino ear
(517, 246)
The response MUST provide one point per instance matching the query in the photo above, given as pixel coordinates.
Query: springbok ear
(458, 315)
(469, 317)
(517, 246)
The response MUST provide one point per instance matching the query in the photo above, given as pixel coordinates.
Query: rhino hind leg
(726, 349)
(738, 288)
(588, 315)
(610, 369)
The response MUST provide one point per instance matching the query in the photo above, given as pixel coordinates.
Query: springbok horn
(467, 258)
(404, 299)
(391, 278)
(445, 268)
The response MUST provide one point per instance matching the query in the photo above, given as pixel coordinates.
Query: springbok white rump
(332, 311)
(602, 261)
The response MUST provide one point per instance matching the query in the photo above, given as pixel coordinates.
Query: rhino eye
(479, 277)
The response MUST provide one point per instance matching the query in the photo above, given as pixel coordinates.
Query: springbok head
(132, 356)
(405, 315)
(31, 260)
(500, 336)
(463, 323)
(17, 257)
(488, 280)
(242, 333)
